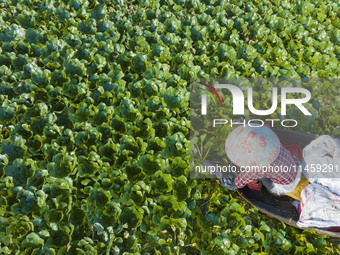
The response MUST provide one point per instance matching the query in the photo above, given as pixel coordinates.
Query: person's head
(252, 146)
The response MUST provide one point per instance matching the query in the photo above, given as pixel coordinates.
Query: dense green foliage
(94, 95)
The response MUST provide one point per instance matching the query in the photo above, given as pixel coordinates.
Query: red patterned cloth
(256, 185)
(282, 171)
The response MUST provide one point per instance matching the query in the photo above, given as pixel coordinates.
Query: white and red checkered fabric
(282, 171)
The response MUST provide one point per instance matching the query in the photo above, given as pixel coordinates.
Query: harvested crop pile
(94, 121)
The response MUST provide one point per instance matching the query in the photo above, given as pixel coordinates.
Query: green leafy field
(94, 121)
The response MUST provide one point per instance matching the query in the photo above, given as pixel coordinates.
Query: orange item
(296, 193)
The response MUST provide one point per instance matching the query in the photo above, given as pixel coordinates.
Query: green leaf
(32, 240)
(264, 227)
(131, 216)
